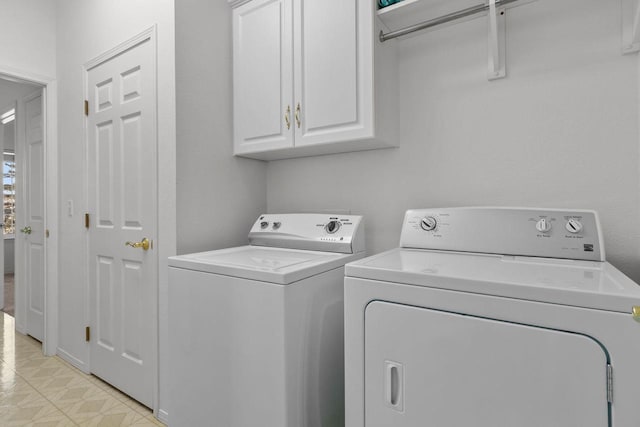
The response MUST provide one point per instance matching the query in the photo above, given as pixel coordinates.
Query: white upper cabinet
(310, 78)
(329, 74)
(262, 92)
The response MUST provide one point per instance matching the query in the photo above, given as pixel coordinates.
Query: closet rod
(470, 11)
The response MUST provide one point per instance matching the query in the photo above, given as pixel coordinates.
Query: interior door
(451, 370)
(262, 76)
(122, 171)
(34, 229)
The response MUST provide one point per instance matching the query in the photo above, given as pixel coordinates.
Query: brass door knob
(26, 230)
(145, 244)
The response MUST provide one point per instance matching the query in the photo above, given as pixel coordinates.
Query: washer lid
(589, 284)
(275, 265)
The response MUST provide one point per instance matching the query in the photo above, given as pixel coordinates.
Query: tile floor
(37, 390)
(9, 296)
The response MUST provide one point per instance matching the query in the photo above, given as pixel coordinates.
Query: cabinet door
(427, 367)
(333, 70)
(262, 68)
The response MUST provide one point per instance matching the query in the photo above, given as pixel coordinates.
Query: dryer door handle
(394, 385)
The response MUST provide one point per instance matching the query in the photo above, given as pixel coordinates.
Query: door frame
(162, 190)
(51, 188)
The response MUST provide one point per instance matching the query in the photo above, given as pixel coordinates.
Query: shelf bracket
(497, 41)
(630, 26)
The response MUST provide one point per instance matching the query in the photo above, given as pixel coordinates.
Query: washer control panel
(319, 232)
(551, 233)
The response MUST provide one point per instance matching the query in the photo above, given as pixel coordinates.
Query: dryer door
(432, 368)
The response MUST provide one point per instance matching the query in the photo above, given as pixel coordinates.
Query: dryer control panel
(314, 232)
(550, 233)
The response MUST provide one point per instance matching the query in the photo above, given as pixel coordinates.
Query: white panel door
(34, 229)
(121, 130)
(333, 88)
(426, 367)
(263, 84)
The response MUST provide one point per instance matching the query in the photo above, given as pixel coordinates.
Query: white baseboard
(163, 416)
(73, 360)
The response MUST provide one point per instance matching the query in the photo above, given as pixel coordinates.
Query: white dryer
(492, 317)
(256, 332)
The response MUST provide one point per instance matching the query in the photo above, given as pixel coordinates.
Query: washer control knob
(276, 225)
(264, 224)
(543, 225)
(332, 226)
(428, 223)
(573, 226)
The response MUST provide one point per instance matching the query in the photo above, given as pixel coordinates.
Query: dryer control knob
(428, 223)
(264, 224)
(573, 226)
(276, 225)
(543, 225)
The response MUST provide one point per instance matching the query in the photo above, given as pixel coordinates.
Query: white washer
(256, 332)
(492, 317)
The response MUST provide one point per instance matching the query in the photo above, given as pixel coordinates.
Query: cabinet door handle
(298, 115)
(286, 117)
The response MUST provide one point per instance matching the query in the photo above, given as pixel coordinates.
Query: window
(9, 200)
(9, 116)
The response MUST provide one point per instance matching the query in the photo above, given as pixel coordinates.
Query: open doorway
(8, 122)
(13, 138)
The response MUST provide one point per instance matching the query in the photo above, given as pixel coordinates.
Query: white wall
(560, 131)
(11, 91)
(219, 196)
(11, 95)
(27, 31)
(9, 255)
(8, 136)
(86, 29)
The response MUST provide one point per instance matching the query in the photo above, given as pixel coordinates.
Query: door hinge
(46, 233)
(609, 384)
(86, 107)
(86, 220)
(87, 334)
